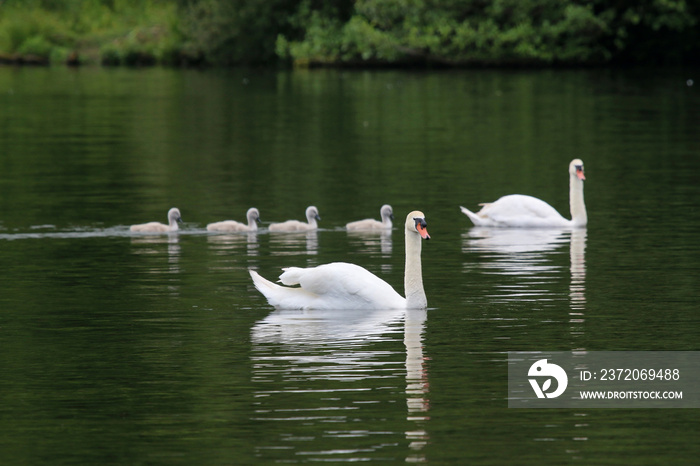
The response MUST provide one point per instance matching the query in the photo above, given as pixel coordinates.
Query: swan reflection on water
(153, 245)
(529, 254)
(230, 247)
(513, 240)
(577, 286)
(150, 244)
(290, 244)
(335, 368)
(525, 254)
(225, 244)
(373, 242)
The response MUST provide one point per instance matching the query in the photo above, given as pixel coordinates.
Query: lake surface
(131, 349)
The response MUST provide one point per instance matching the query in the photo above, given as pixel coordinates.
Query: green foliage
(37, 46)
(121, 29)
(461, 32)
(449, 32)
(652, 30)
(24, 32)
(110, 55)
(234, 31)
(490, 31)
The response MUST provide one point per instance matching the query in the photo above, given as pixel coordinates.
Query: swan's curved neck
(413, 275)
(579, 218)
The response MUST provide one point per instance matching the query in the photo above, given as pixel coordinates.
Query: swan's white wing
(341, 285)
(330, 286)
(227, 225)
(291, 225)
(518, 210)
(151, 227)
(366, 224)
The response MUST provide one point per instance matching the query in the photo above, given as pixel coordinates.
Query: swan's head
(311, 213)
(174, 215)
(576, 169)
(387, 212)
(253, 214)
(415, 222)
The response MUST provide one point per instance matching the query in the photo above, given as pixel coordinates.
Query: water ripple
(319, 368)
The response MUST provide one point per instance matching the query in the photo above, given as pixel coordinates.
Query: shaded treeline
(351, 32)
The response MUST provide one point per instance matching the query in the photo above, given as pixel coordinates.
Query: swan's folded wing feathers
(518, 205)
(519, 210)
(340, 282)
(336, 278)
(539, 208)
(291, 276)
(290, 225)
(227, 225)
(150, 227)
(365, 224)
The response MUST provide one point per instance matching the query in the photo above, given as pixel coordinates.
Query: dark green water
(157, 350)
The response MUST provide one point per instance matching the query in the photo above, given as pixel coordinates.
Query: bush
(37, 46)
(123, 31)
(452, 32)
(492, 31)
(110, 55)
(245, 31)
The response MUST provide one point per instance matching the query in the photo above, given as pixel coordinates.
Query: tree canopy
(355, 32)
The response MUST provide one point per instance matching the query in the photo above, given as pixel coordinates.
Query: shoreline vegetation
(350, 33)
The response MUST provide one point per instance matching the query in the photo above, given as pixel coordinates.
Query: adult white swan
(295, 225)
(340, 285)
(386, 214)
(231, 225)
(520, 211)
(157, 227)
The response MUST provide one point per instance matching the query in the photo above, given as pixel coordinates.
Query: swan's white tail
(282, 296)
(263, 285)
(476, 220)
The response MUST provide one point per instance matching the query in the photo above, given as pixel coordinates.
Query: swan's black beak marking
(422, 227)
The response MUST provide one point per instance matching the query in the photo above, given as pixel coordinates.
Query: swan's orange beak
(423, 231)
(579, 173)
